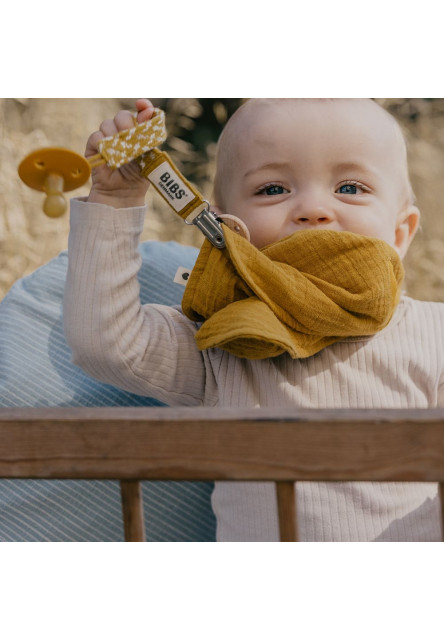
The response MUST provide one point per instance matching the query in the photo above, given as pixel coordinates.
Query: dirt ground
(28, 239)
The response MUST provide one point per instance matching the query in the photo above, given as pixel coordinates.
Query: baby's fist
(123, 187)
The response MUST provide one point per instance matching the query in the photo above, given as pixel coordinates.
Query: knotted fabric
(132, 143)
(297, 295)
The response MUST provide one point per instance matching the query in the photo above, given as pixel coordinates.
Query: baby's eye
(351, 188)
(272, 190)
(348, 188)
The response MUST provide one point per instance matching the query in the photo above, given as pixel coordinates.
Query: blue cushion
(36, 371)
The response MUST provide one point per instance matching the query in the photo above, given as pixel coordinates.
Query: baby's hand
(124, 187)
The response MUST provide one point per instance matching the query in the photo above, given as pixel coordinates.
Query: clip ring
(194, 216)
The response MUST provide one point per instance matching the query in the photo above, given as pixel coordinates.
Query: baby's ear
(406, 228)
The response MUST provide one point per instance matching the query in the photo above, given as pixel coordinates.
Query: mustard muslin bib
(297, 295)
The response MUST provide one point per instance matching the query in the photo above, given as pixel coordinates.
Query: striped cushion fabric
(36, 371)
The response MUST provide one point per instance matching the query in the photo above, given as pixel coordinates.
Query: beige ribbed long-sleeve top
(150, 350)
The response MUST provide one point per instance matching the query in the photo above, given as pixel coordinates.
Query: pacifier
(54, 170)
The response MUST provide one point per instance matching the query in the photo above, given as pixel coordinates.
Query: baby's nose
(312, 211)
(315, 218)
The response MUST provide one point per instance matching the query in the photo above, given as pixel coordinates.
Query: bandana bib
(297, 295)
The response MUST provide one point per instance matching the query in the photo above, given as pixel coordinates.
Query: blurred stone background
(28, 239)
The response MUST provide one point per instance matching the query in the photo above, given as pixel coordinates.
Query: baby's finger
(108, 128)
(145, 110)
(124, 120)
(92, 144)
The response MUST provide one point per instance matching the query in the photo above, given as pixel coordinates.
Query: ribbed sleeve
(150, 349)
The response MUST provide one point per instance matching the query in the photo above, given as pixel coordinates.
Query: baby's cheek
(386, 231)
(380, 227)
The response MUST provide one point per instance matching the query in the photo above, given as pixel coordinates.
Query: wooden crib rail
(134, 444)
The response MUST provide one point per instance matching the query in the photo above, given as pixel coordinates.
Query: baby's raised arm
(124, 187)
(146, 349)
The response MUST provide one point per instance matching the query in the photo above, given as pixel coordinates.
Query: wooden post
(441, 501)
(286, 498)
(132, 508)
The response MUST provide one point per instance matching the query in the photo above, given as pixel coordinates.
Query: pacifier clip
(55, 170)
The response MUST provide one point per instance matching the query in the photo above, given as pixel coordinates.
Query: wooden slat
(132, 509)
(286, 500)
(202, 444)
(132, 444)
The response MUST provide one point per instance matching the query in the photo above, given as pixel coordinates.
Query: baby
(283, 166)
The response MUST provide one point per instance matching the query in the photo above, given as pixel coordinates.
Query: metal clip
(207, 222)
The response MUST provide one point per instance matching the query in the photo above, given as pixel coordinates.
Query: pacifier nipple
(55, 204)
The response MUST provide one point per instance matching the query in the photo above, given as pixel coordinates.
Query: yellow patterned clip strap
(130, 144)
(139, 143)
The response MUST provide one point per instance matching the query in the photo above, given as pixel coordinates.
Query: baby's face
(336, 165)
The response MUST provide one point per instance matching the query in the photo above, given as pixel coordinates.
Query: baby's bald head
(242, 128)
